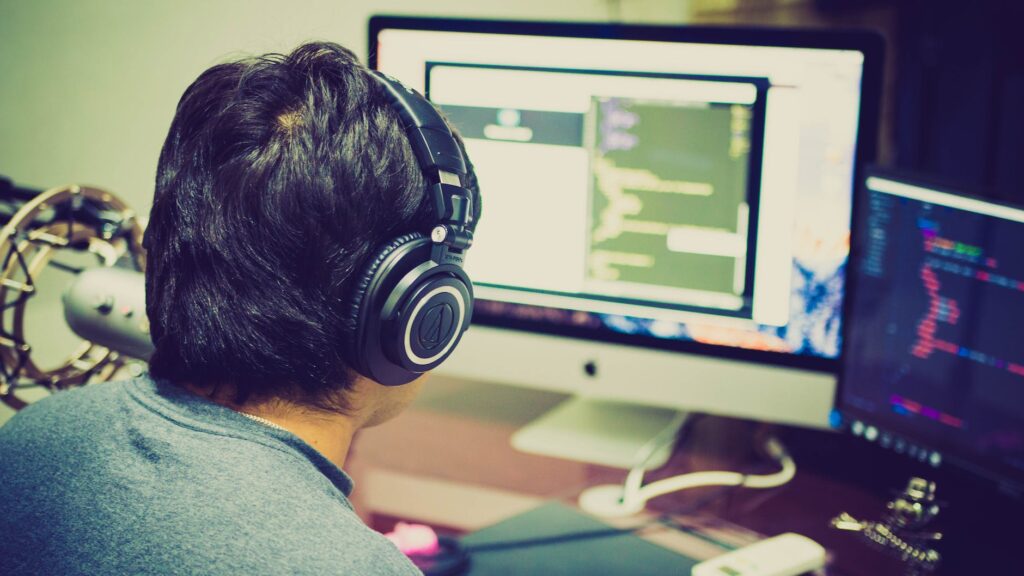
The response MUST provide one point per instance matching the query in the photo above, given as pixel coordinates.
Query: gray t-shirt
(143, 477)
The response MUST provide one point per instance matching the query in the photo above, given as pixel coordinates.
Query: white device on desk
(787, 554)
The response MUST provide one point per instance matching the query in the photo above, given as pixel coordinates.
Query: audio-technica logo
(436, 327)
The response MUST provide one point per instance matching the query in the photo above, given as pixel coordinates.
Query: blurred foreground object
(71, 229)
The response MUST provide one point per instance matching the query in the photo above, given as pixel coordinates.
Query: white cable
(700, 479)
(633, 496)
(667, 436)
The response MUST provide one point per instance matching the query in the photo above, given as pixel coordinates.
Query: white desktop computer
(666, 214)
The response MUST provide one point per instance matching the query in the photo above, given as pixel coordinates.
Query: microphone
(107, 306)
(88, 232)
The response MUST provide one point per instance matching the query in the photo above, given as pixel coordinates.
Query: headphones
(413, 301)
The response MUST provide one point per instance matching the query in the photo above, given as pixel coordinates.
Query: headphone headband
(442, 163)
(429, 134)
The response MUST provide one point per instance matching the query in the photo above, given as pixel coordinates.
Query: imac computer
(933, 365)
(666, 214)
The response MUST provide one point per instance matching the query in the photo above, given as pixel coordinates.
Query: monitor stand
(601, 432)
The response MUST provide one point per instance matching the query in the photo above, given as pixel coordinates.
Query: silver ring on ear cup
(401, 277)
(436, 324)
(423, 330)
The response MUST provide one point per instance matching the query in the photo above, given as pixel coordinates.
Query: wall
(88, 88)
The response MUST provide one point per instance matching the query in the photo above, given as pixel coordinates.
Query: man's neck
(330, 433)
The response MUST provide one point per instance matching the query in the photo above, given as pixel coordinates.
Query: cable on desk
(561, 538)
(699, 479)
(630, 498)
(663, 521)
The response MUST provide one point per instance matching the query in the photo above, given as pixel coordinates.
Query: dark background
(960, 93)
(953, 104)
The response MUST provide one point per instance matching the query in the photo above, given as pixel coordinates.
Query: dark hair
(279, 176)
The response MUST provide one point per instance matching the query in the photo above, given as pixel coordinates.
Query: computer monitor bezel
(987, 469)
(869, 43)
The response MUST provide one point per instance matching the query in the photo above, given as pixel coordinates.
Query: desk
(447, 462)
(499, 550)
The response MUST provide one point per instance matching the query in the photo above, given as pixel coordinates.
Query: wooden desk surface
(448, 462)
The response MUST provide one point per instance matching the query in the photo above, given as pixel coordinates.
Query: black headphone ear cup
(430, 320)
(354, 315)
(409, 312)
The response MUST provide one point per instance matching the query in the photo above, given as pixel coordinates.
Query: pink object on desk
(414, 539)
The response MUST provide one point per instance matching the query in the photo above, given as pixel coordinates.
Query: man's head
(279, 177)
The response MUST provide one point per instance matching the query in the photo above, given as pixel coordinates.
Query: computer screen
(679, 188)
(933, 365)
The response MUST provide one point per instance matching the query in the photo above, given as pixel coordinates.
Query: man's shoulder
(200, 533)
(92, 470)
(242, 539)
(65, 413)
(331, 541)
(97, 395)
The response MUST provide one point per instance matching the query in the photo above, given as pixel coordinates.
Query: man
(279, 178)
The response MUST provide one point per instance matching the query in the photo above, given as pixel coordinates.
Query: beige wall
(88, 87)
